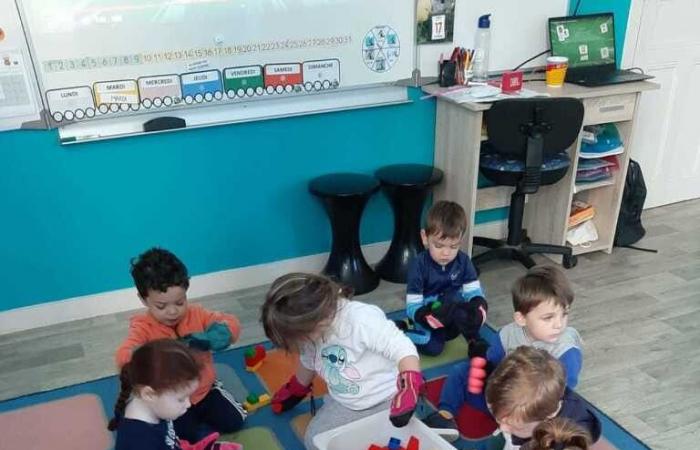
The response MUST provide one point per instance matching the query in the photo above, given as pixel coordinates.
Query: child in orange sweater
(161, 281)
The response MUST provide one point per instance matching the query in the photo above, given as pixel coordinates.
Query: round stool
(407, 186)
(344, 196)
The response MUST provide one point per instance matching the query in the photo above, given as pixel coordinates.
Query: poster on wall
(435, 21)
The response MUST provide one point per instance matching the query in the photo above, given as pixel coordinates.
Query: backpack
(629, 223)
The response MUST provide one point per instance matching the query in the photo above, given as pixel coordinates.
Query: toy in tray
(395, 444)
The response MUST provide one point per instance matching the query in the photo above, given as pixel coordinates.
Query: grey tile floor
(638, 313)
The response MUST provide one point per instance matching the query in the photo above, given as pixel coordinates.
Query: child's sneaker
(447, 428)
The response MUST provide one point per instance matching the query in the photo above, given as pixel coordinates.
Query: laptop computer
(589, 43)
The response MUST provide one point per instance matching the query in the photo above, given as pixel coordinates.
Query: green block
(253, 399)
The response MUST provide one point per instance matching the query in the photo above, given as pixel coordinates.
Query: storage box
(377, 429)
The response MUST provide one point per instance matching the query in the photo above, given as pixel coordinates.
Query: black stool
(407, 186)
(344, 196)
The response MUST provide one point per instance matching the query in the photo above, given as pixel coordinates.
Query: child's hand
(476, 316)
(289, 395)
(216, 337)
(410, 387)
(444, 312)
(426, 317)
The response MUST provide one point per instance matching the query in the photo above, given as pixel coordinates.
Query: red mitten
(410, 385)
(289, 395)
(204, 444)
(477, 375)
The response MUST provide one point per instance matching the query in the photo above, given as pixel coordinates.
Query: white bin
(377, 429)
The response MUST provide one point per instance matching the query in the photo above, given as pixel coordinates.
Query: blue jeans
(454, 392)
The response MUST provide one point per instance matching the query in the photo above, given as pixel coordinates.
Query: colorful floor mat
(75, 417)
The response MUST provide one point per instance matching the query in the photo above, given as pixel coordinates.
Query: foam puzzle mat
(75, 417)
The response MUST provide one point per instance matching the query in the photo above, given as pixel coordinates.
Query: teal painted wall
(620, 10)
(220, 197)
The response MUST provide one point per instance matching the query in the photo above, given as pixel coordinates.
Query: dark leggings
(218, 411)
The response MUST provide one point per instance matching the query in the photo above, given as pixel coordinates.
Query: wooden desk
(458, 136)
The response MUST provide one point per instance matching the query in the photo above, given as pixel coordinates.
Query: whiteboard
(518, 32)
(109, 58)
(20, 104)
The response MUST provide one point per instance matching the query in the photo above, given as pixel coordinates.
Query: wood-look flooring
(638, 313)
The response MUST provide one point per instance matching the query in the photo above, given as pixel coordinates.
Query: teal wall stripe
(220, 197)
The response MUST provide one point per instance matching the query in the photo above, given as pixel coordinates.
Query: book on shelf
(580, 212)
(596, 169)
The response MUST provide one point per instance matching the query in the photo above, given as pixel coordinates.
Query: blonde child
(368, 364)
(528, 388)
(155, 390)
(161, 281)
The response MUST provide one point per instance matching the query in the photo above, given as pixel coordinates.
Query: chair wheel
(569, 261)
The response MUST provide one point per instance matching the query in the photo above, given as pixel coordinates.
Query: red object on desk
(511, 81)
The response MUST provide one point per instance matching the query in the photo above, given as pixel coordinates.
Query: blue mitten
(216, 337)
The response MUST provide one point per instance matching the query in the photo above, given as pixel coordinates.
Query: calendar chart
(108, 58)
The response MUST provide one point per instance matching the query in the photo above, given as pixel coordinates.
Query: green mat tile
(254, 438)
(455, 350)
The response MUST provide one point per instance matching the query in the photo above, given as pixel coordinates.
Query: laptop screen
(586, 40)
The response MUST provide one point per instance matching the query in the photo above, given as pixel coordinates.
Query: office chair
(526, 148)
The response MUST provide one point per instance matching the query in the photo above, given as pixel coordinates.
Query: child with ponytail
(368, 364)
(559, 434)
(156, 386)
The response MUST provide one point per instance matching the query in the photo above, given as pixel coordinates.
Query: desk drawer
(612, 108)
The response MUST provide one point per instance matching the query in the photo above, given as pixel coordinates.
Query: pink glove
(478, 366)
(209, 443)
(410, 387)
(477, 375)
(201, 445)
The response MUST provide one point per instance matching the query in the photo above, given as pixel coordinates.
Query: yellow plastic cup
(556, 70)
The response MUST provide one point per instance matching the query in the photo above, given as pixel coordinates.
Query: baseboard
(122, 300)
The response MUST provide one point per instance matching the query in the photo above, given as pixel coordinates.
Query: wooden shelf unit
(457, 142)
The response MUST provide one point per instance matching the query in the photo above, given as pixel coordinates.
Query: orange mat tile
(279, 366)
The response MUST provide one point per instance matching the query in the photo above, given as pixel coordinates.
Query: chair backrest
(510, 122)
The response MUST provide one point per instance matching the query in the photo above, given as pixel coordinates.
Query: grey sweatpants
(332, 415)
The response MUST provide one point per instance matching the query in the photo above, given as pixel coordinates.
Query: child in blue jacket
(443, 295)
